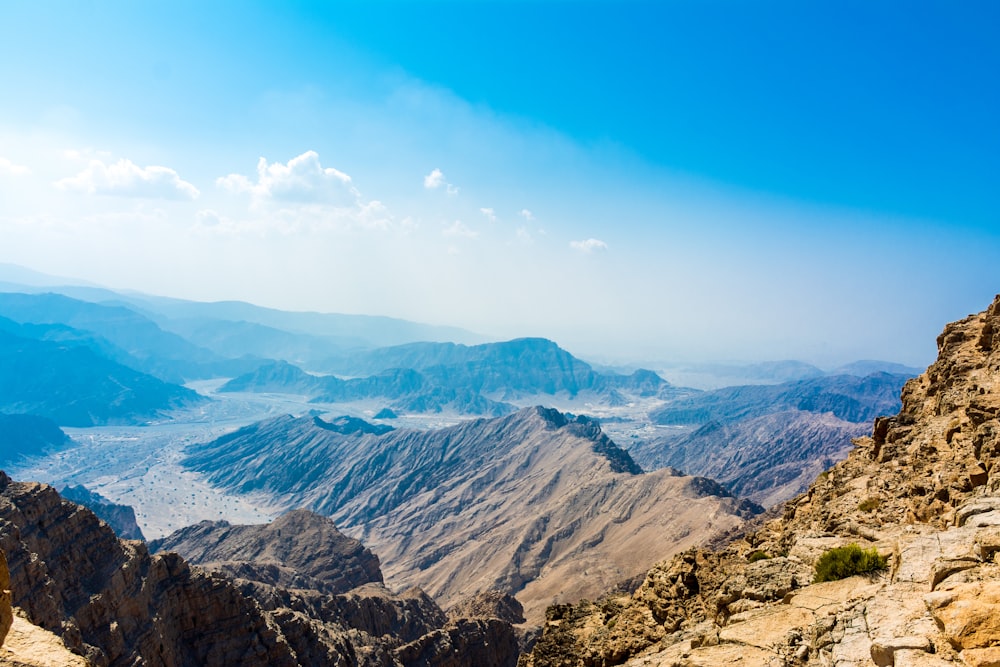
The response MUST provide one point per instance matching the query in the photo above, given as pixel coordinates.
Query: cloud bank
(126, 179)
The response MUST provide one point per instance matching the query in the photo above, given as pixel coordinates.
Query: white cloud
(126, 179)
(458, 228)
(434, 180)
(526, 214)
(8, 167)
(302, 180)
(589, 245)
(489, 213)
(524, 236)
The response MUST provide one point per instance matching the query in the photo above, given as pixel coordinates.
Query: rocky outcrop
(121, 518)
(324, 592)
(536, 504)
(113, 603)
(6, 610)
(924, 490)
(299, 549)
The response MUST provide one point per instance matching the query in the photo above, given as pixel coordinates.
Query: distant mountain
(121, 518)
(522, 503)
(848, 397)
(353, 331)
(767, 459)
(74, 386)
(29, 435)
(768, 442)
(123, 334)
(709, 376)
(480, 380)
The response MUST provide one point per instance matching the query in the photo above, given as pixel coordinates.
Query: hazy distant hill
(480, 379)
(74, 386)
(28, 435)
(523, 503)
(137, 341)
(710, 376)
(350, 331)
(768, 442)
(851, 398)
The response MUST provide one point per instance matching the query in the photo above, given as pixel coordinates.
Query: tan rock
(31, 646)
(972, 618)
(6, 611)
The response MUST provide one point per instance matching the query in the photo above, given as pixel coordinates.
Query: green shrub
(843, 562)
(757, 555)
(869, 504)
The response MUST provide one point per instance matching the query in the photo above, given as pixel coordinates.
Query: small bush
(843, 562)
(757, 555)
(869, 504)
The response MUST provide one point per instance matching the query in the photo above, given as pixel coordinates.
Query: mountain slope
(522, 503)
(767, 459)
(74, 386)
(150, 349)
(923, 491)
(29, 435)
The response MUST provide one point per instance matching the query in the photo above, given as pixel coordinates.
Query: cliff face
(295, 592)
(923, 489)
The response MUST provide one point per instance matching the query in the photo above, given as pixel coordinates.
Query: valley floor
(140, 466)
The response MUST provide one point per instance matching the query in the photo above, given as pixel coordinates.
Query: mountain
(510, 369)
(150, 349)
(522, 504)
(74, 386)
(767, 459)
(113, 603)
(300, 549)
(716, 375)
(29, 435)
(363, 331)
(121, 518)
(847, 397)
(471, 380)
(767, 442)
(888, 559)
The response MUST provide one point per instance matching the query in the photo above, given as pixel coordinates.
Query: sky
(672, 180)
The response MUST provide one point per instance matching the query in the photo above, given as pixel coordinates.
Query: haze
(674, 180)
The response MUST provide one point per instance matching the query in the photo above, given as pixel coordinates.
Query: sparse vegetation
(842, 562)
(869, 504)
(757, 555)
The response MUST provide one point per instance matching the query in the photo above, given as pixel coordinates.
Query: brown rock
(6, 610)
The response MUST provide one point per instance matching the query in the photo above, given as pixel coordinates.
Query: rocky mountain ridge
(923, 489)
(520, 504)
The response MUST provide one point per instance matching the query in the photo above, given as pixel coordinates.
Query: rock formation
(112, 603)
(535, 504)
(121, 518)
(923, 489)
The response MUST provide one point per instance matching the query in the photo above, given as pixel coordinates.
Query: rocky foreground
(83, 596)
(923, 489)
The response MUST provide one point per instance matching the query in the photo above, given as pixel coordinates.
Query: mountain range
(768, 442)
(519, 503)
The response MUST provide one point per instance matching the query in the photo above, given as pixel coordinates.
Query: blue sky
(639, 181)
